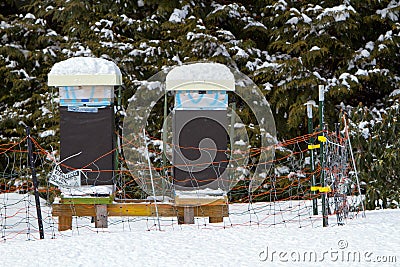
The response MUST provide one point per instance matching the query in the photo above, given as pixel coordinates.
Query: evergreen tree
(376, 145)
(287, 47)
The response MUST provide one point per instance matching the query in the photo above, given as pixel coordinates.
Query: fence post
(35, 182)
(322, 179)
(310, 105)
(164, 141)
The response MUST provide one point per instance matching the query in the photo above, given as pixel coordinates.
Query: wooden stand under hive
(185, 209)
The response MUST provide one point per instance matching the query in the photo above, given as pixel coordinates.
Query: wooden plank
(73, 210)
(201, 201)
(216, 219)
(64, 223)
(212, 211)
(139, 209)
(101, 216)
(130, 209)
(142, 209)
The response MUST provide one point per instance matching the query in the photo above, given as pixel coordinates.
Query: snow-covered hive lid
(80, 71)
(200, 76)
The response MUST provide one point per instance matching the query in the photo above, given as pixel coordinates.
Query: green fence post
(322, 179)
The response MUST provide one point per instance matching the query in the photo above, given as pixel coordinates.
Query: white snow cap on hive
(79, 71)
(200, 76)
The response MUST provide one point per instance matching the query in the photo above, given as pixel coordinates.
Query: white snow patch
(30, 16)
(267, 64)
(22, 103)
(391, 11)
(395, 92)
(87, 190)
(316, 74)
(221, 50)
(381, 47)
(178, 15)
(241, 53)
(306, 18)
(200, 72)
(365, 53)
(268, 86)
(253, 23)
(243, 172)
(47, 133)
(51, 33)
(4, 25)
(370, 46)
(157, 143)
(240, 143)
(339, 13)
(238, 125)
(363, 126)
(84, 66)
(279, 170)
(388, 36)
(177, 59)
(234, 10)
(227, 35)
(45, 111)
(151, 85)
(365, 133)
(12, 64)
(140, 3)
(314, 9)
(200, 193)
(345, 76)
(361, 72)
(279, 5)
(293, 21)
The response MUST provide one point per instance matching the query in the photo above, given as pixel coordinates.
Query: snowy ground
(370, 241)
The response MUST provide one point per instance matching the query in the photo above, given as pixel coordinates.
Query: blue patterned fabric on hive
(86, 96)
(205, 100)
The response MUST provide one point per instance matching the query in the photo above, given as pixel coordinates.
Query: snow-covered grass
(137, 242)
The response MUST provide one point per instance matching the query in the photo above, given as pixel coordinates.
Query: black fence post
(35, 182)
